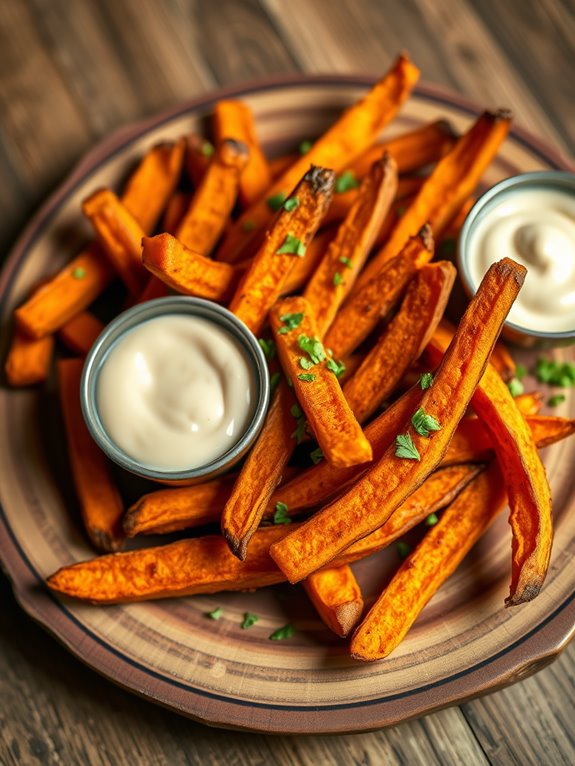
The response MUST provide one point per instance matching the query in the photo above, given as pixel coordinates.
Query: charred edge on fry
(320, 179)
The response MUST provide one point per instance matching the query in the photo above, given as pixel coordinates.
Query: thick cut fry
(336, 595)
(199, 152)
(188, 272)
(527, 486)
(503, 362)
(379, 492)
(373, 302)
(154, 288)
(428, 566)
(402, 341)
(317, 388)
(175, 210)
(342, 203)
(206, 565)
(151, 186)
(28, 359)
(447, 188)
(100, 501)
(80, 332)
(120, 236)
(353, 133)
(288, 238)
(338, 270)
(234, 119)
(261, 473)
(212, 204)
(305, 267)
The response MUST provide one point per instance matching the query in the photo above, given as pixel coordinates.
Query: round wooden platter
(465, 642)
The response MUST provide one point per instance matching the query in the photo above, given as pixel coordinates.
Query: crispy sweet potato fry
(292, 231)
(80, 332)
(316, 386)
(120, 236)
(428, 566)
(234, 119)
(355, 131)
(502, 361)
(336, 595)
(186, 271)
(28, 359)
(199, 152)
(402, 341)
(206, 565)
(368, 306)
(99, 499)
(338, 269)
(384, 486)
(175, 210)
(305, 267)
(447, 188)
(211, 205)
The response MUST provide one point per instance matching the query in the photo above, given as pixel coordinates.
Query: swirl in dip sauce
(176, 392)
(536, 228)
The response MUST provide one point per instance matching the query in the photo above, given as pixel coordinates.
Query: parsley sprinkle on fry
(338, 368)
(276, 201)
(312, 347)
(280, 514)
(431, 520)
(291, 204)
(403, 549)
(405, 448)
(292, 246)
(79, 272)
(346, 261)
(337, 279)
(307, 377)
(426, 381)
(424, 423)
(291, 321)
(268, 347)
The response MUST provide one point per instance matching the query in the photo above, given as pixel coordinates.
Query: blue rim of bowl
(138, 315)
(537, 179)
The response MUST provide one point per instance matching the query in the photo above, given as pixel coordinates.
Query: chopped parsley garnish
(424, 423)
(281, 633)
(515, 387)
(276, 201)
(268, 347)
(291, 321)
(560, 374)
(292, 246)
(403, 549)
(216, 613)
(338, 368)
(305, 363)
(520, 372)
(316, 456)
(295, 411)
(280, 514)
(346, 261)
(299, 433)
(291, 204)
(274, 381)
(426, 381)
(307, 377)
(312, 347)
(404, 447)
(555, 400)
(304, 147)
(345, 182)
(79, 272)
(431, 520)
(337, 279)
(207, 149)
(248, 225)
(249, 619)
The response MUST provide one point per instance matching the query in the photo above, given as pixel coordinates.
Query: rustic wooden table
(71, 71)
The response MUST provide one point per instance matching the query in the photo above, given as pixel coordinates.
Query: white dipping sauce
(176, 392)
(537, 229)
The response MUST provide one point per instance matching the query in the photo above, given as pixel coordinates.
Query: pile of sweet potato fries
(327, 255)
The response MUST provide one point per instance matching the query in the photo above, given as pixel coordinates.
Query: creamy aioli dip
(537, 229)
(176, 392)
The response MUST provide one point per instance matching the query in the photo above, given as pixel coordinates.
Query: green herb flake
(299, 433)
(307, 377)
(345, 182)
(515, 387)
(431, 520)
(287, 631)
(426, 381)
(280, 514)
(304, 147)
(249, 620)
(79, 272)
(276, 201)
(207, 149)
(403, 549)
(274, 381)
(346, 261)
(404, 447)
(520, 371)
(554, 401)
(561, 374)
(424, 423)
(248, 226)
(400, 211)
(312, 347)
(316, 456)
(291, 204)
(338, 368)
(337, 279)
(305, 363)
(292, 246)
(215, 614)
(291, 321)
(295, 411)
(268, 347)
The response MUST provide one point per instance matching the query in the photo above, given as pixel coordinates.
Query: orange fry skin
(328, 414)
(301, 273)
(28, 359)
(336, 596)
(386, 484)
(80, 332)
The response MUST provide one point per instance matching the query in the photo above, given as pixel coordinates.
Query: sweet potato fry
(120, 236)
(209, 211)
(199, 152)
(402, 341)
(385, 485)
(151, 186)
(80, 332)
(428, 566)
(234, 119)
(316, 386)
(28, 359)
(503, 362)
(529, 403)
(336, 595)
(99, 499)
(338, 269)
(447, 188)
(188, 272)
(206, 565)
(155, 288)
(175, 210)
(292, 231)
(354, 132)
(305, 267)
(373, 302)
